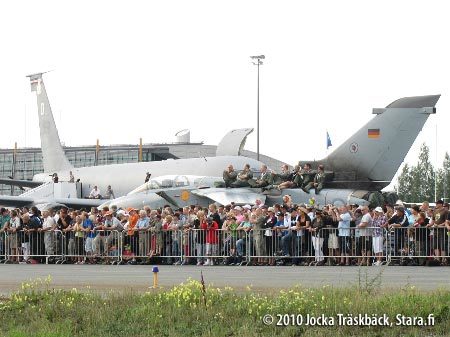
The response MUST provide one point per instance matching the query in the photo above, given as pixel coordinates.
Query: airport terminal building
(24, 163)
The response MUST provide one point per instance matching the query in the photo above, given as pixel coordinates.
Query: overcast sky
(129, 69)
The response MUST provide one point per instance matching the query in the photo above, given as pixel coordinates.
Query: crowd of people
(231, 235)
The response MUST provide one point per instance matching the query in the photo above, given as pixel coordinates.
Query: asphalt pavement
(140, 278)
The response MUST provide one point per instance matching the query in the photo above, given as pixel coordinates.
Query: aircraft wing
(20, 183)
(77, 203)
(19, 201)
(15, 201)
(224, 196)
(168, 198)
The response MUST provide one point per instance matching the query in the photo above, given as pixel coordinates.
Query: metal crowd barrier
(208, 246)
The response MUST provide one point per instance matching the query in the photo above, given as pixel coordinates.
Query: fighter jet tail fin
(54, 158)
(233, 142)
(376, 151)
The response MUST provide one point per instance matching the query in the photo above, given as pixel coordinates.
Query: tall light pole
(257, 62)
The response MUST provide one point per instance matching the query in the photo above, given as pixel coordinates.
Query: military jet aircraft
(55, 161)
(357, 170)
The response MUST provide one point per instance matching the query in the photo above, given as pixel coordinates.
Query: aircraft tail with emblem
(375, 152)
(54, 158)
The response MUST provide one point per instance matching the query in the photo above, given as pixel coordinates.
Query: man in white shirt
(48, 227)
(95, 193)
(365, 236)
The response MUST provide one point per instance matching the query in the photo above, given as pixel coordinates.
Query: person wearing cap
(399, 223)
(438, 222)
(302, 239)
(244, 230)
(230, 237)
(112, 226)
(238, 214)
(379, 222)
(278, 229)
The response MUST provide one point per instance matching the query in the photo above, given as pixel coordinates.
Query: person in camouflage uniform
(229, 176)
(318, 181)
(243, 177)
(264, 180)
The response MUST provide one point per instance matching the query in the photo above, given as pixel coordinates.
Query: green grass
(39, 310)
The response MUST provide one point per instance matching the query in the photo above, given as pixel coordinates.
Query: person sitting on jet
(95, 193)
(147, 177)
(295, 181)
(243, 177)
(318, 182)
(264, 179)
(285, 175)
(307, 175)
(229, 176)
(109, 194)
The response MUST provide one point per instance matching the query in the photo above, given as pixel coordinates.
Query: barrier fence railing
(211, 246)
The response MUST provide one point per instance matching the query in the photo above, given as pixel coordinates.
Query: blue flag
(328, 141)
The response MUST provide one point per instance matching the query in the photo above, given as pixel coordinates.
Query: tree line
(417, 183)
